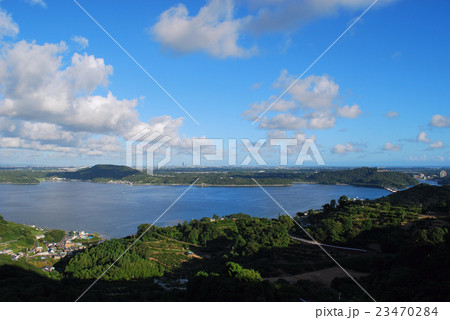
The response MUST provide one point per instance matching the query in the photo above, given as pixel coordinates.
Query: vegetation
(55, 235)
(17, 236)
(257, 259)
(430, 198)
(103, 173)
(17, 177)
(367, 177)
(343, 221)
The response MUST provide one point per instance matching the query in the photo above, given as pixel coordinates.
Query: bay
(115, 210)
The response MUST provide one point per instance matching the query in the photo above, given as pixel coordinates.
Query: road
(326, 245)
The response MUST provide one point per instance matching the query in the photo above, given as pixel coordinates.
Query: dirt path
(324, 276)
(8, 242)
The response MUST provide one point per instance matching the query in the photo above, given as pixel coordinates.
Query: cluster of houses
(14, 257)
(68, 246)
(80, 235)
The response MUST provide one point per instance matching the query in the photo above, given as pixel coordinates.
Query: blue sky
(378, 97)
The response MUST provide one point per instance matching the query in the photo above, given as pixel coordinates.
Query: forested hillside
(260, 259)
(368, 177)
(423, 195)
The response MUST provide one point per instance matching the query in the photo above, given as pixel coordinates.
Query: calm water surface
(116, 210)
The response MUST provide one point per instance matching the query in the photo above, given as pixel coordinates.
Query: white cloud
(391, 114)
(315, 92)
(37, 87)
(321, 120)
(81, 41)
(283, 121)
(391, 147)
(343, 149)
(38, 2)
(436, 145)
(48, 105)
(440, 121)
(257, 108)
(8, 27)
(422, 137)
(216, 30)
(349, 112)
(311, 99)
(213, 30)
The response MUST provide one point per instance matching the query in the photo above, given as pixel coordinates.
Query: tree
(55, 235)
(333, 204)
(286, 221)
(343, 201)
(245, 275)
(193, 236)
(436, 235)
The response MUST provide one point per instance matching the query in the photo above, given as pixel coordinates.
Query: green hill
(425, 195)
(367, 177)
(105, 172)
(15, 236)
(17, 177)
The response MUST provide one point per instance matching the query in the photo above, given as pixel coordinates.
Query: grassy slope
(16, 236)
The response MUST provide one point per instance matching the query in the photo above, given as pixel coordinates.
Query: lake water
(115, 210)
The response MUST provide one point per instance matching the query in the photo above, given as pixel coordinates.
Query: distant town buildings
(44, 250)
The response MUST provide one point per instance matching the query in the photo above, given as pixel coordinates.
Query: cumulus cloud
(345, 148)
(51, 102)
(37, 87)
(321, 120)
(216, 30)
(349, 112)
(422, 137)
(46, 104)
(315, 92)
(309, 102)
(391, 114)
(257, 108)
(213, 30)
(440, 121)
(81, 41)
(391, 147)
(283, 121)
(8, 28)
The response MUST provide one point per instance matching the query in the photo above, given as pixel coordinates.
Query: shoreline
(200, 185)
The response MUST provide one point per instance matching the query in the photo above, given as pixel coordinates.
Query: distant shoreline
(200, 185)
